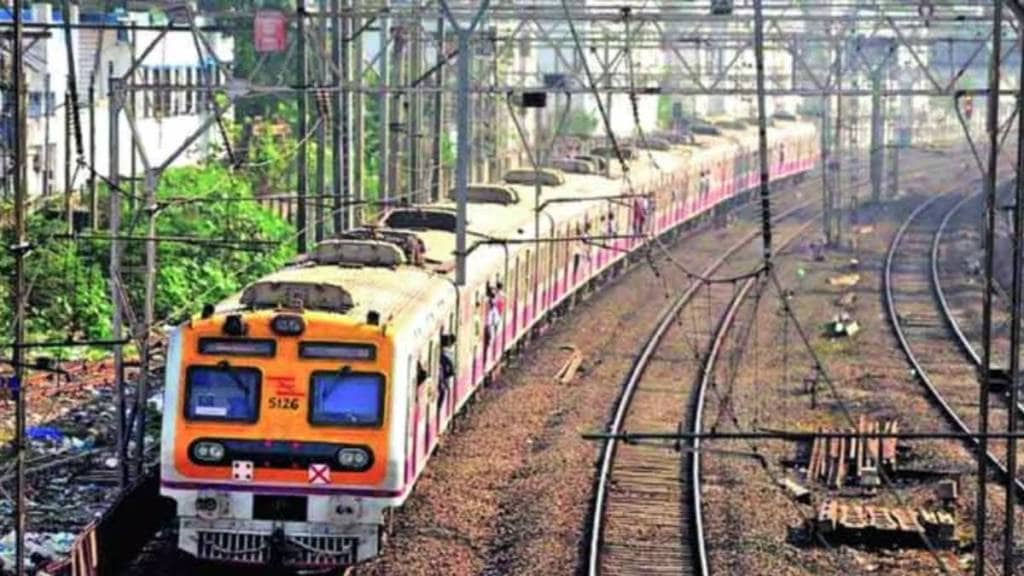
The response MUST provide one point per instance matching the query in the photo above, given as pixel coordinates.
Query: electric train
(300, 412)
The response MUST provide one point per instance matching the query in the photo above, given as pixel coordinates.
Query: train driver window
(222, 393)
(347, 398)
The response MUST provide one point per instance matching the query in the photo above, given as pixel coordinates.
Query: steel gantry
(390, 68)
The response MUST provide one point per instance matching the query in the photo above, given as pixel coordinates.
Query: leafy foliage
(67, 289)
(69, 294)
(210, 203)
(580, 123)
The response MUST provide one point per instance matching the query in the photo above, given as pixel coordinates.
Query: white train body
(302, 410)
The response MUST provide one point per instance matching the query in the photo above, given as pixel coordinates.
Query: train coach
(300, 412)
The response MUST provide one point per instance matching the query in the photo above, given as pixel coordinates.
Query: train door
(446, 368)
(430, 383)
(512, 316)
(478, 338)
(420, 416)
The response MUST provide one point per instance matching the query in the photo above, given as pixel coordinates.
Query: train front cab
(276, 444)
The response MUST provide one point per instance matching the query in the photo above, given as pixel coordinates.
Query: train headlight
(354, 458)
(208, 452)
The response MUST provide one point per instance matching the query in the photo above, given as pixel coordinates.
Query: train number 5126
(284, 403)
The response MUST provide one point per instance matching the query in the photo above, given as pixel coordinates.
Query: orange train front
(299, 413)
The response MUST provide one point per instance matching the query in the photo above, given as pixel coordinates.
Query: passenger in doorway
(499, 299)
(495, 304)
(639, 215)
(447, 368)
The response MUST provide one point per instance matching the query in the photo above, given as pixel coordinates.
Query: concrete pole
(837, 146)
(69, 218)
(398, 56)
(762, 134)
(19, 249)
(413, 135)
(94, 201)
(826, 172)
(464, 134)
(462, 156)
(303, 81)
(321, 134)
(145, 352)
(47, 108)
(991, 176)
(437, 187)
(358, 122)
(116, 102)
(877, 154)
(341, 134)
(384, 108)
(1012, 425)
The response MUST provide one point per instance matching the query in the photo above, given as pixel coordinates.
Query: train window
(232, 347)
(347, 398)
(222, 393)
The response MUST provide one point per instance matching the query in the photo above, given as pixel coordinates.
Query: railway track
(946, 370)
(646, 517)
(969, 349)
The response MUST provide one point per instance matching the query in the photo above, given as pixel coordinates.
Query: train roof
(494, 230)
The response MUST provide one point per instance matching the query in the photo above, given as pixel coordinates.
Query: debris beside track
(880, 527)
(836, 462)
(567, 372)
(845, 280)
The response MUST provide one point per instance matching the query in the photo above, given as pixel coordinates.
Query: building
(103, 45)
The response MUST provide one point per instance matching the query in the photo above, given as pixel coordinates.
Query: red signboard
(270, 31)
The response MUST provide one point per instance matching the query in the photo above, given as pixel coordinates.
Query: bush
(67, 280)
(210, 203)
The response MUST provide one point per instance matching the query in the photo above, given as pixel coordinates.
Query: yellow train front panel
(308, 409)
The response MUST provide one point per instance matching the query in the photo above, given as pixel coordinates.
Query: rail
(897, 326)
(630, 386)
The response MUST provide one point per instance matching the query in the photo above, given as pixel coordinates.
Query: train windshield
(222, 393)
(347, 399)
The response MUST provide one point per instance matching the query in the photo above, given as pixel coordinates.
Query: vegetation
(67, 279)
(580, 123)
(664, 112)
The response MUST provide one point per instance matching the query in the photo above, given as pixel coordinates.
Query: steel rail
(947, 312)
(629, 388)
(922, 374)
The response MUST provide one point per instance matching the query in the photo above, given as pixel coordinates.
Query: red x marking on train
(319, 473)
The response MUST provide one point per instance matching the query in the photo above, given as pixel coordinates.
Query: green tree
(580, 123)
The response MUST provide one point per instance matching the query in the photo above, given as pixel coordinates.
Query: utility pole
(323, 113)
(94, 201)
(437, 171)
(341, 143)
(47, 108)
(116, 102)
(877, 157)
(399, 38)
(827, 154)
(464, 134)
(145, 350)
(415, 106)
(303, 81)
(358, 120)
(69, 219)
(837, 180)
(991, 175)
(383, 107)
(762, 134)
(19, 249)
(1012, 423)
